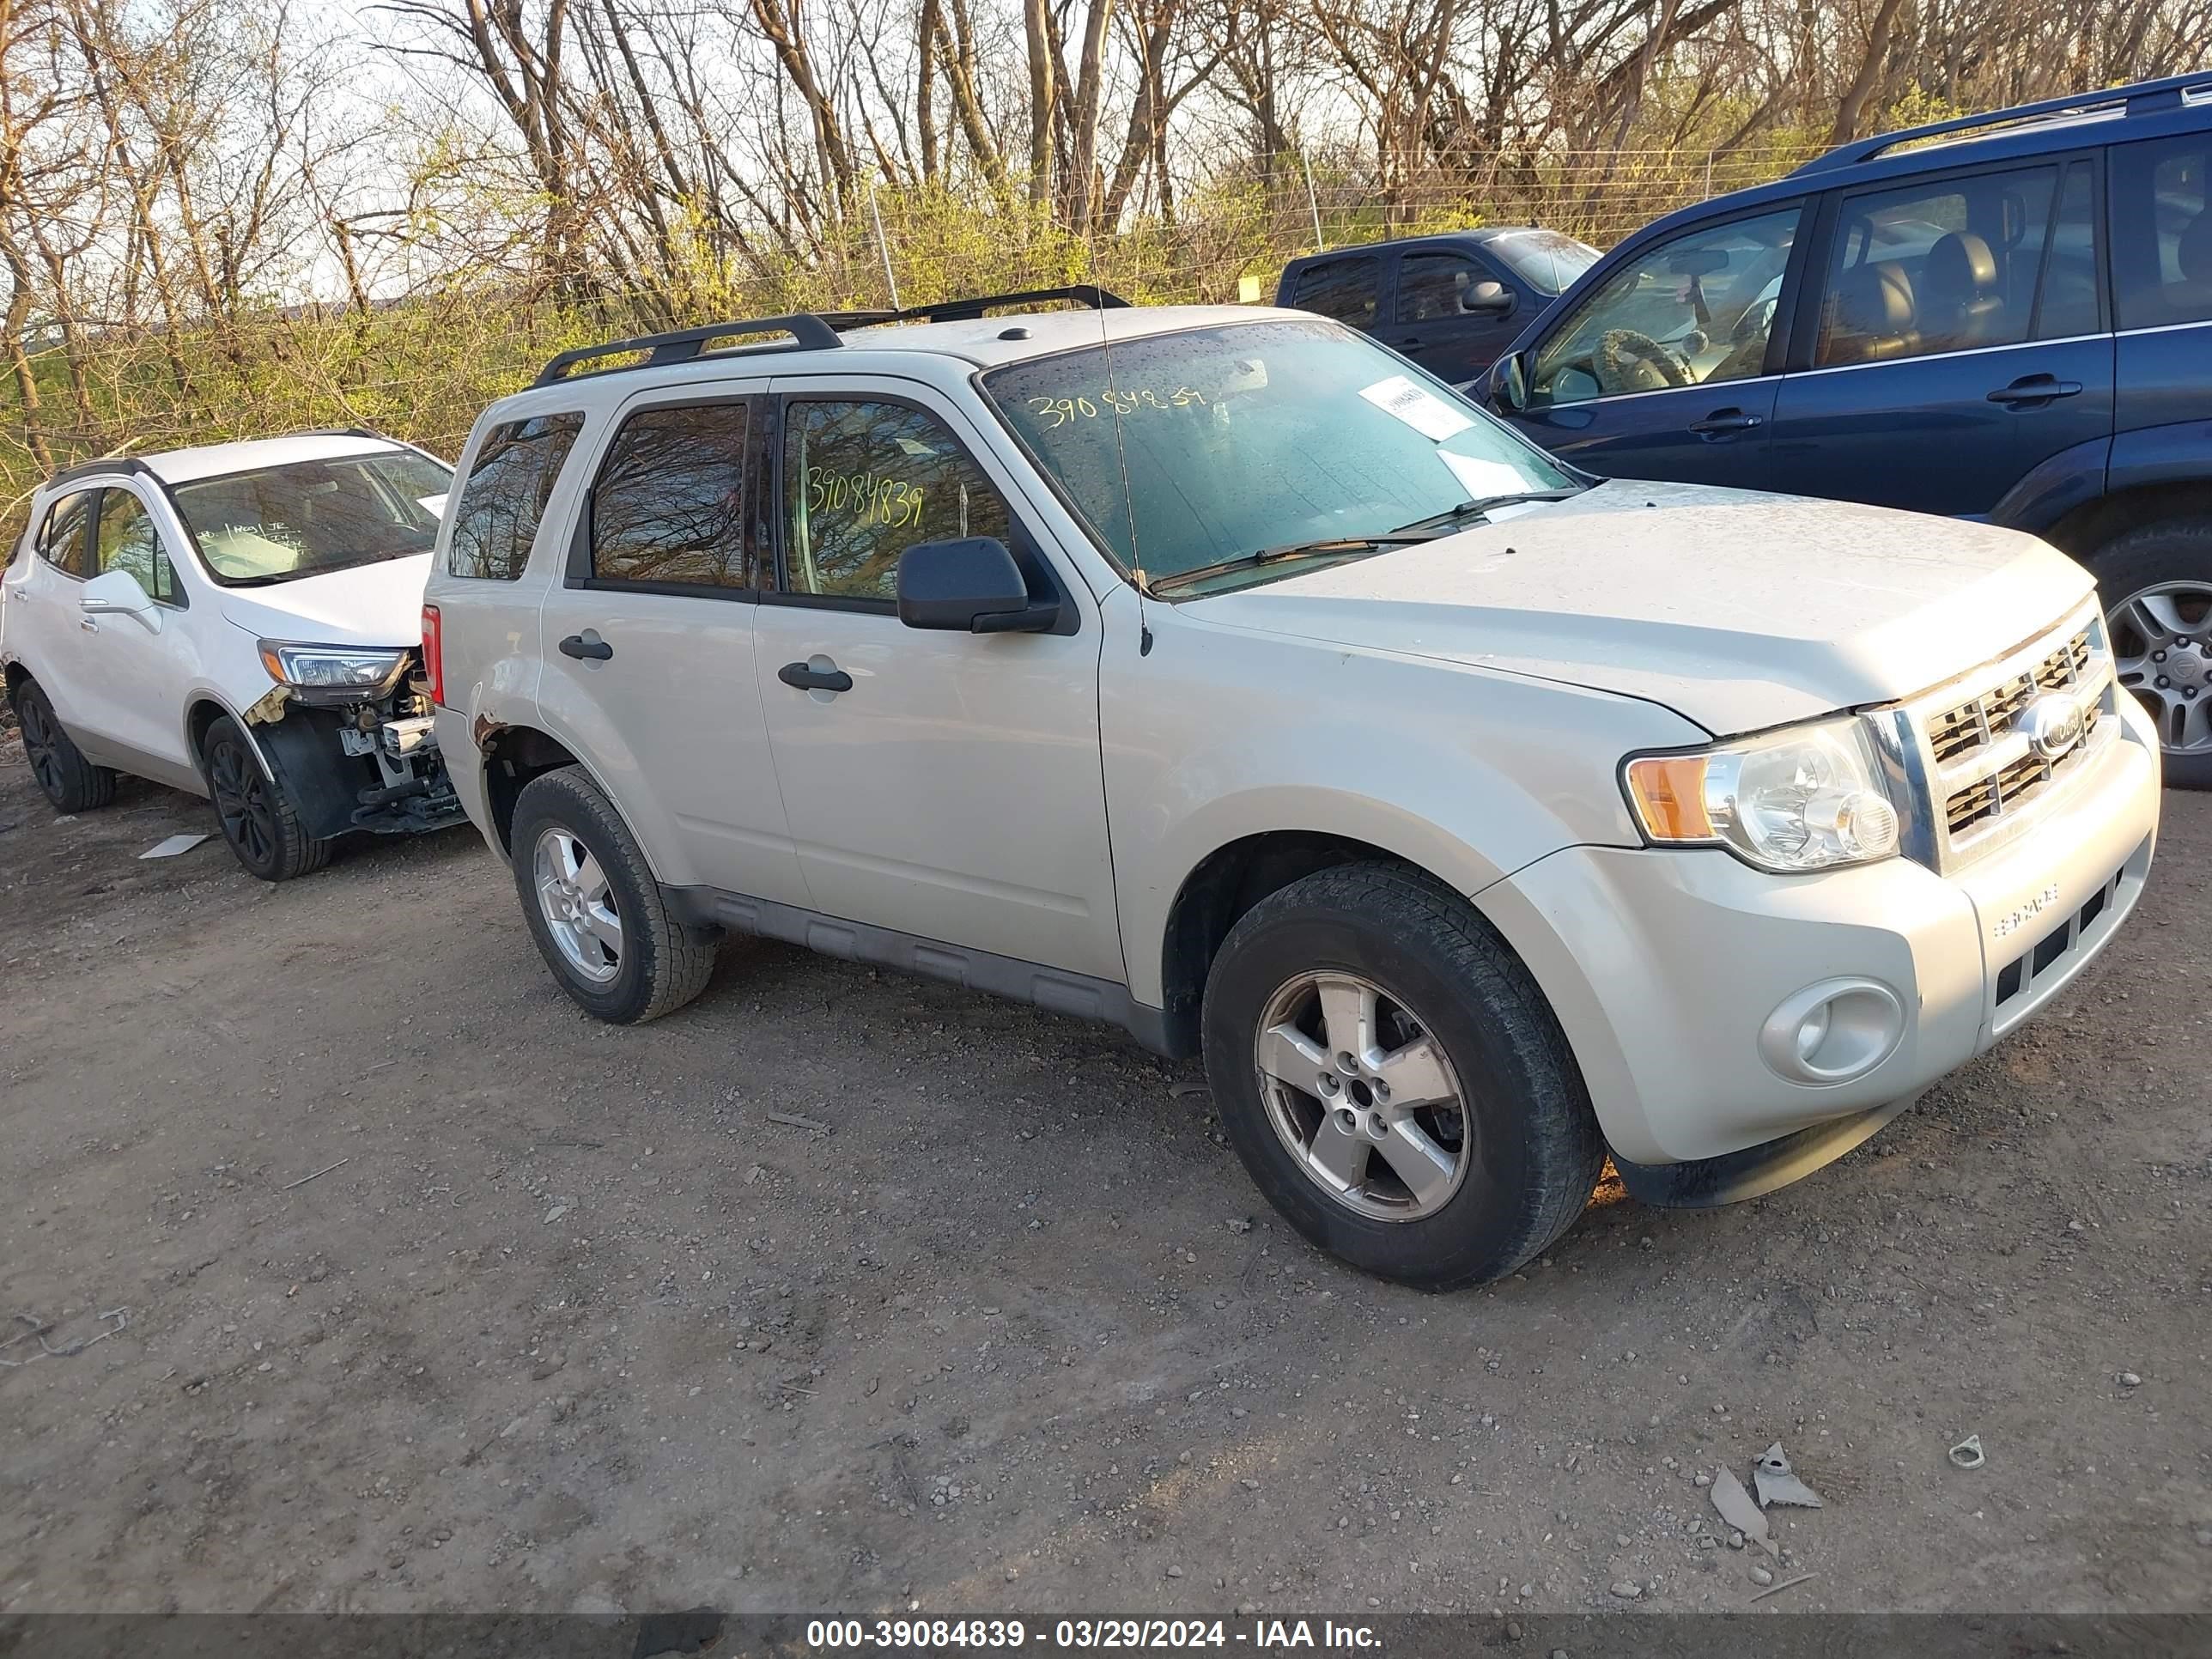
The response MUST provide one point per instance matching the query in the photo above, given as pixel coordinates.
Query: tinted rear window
(1342, 288)
(669, 507)
(505, 496)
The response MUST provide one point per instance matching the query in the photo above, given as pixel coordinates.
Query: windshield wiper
(1483, 504)
(1267, 556)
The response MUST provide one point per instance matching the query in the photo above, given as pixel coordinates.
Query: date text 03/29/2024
(831, 1635)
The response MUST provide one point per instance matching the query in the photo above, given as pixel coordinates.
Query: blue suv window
(1952, 266)
(2161, 232)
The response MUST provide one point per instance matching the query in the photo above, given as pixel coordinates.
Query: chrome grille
(1972, 761)
(1980, 721)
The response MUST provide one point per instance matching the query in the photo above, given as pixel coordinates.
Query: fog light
(1833, 1032)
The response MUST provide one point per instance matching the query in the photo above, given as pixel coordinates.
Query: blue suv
(2004, 317)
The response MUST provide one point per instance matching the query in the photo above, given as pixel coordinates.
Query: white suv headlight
(343, 670)
(1803, 797)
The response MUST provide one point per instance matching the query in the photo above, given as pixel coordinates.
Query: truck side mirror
(968, 585)
(1487, 299)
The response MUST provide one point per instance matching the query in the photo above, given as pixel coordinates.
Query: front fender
(1219, 733)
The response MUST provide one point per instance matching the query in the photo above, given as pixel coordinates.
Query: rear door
(1446, 321)
(1667, 368)
(1955, 342)
(951, 787)
(647, 640)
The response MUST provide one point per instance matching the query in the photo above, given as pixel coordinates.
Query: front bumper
(1665, 967)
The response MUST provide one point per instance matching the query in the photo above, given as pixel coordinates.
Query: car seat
(1959, 303)
(1873, 316)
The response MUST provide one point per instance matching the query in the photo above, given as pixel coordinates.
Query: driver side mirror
(1509, 383)
(970, 585)
(117, 593)
(1487, 299)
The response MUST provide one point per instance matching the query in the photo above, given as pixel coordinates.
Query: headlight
(333, 672)
(1805, 797)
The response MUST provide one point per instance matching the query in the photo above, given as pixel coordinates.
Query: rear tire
(2157, 585)
(1490, 1184)
(70, 782)
(595, 913)
(258, 819)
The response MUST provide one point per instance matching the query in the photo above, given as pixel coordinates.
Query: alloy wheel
(2162, 648)
(578, 906)
(242, 803)
(1363, 1096)
(39, 744)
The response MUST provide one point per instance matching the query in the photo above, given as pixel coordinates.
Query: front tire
(598, 915)
(258, 819)
(71, 782)
(1394, 1082)
(2156, 583)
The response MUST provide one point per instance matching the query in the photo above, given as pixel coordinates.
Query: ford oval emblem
(2053, 725)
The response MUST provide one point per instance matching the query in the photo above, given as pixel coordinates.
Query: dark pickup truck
(1451, 303)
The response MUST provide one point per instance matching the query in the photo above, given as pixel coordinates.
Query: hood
(1738, 611)
(370, 604)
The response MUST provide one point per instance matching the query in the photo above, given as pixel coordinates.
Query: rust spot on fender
(485, 731)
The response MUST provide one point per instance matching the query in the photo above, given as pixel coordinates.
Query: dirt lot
(572, 1325)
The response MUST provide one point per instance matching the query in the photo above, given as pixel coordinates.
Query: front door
(1662, 372)
(137, 676)
(1956, 343)
(1455, 313)
(944, 785)
(648, 643)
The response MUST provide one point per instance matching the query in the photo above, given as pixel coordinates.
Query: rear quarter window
(61, 538)
(1343, 289)
(504, 499)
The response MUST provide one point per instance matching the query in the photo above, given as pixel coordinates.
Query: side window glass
(128, 541)
(1342, 288)
(669, 506)
(2068, 305)
(61, 538)
(863, 482)
(1697, 310)
(1933, 268)
(1434, 285)
(2161, 232)
(505, 495)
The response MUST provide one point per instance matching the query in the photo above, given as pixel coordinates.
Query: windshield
(1544, 258)
(1255, 437)
(314, 517)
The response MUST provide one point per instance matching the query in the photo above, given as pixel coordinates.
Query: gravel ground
(565, 1322)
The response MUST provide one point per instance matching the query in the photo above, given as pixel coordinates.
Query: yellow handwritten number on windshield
(1057, 412)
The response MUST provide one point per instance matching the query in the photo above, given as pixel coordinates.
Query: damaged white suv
(239, 620)
(1217, 674)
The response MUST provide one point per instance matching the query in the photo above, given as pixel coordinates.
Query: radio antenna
(1137, 579)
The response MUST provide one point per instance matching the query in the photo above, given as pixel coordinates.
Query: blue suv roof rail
(2139, 98)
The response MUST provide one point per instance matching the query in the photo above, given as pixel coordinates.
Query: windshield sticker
(1480, 477)
(432, 505)
(1426, 413)
(1058, 411)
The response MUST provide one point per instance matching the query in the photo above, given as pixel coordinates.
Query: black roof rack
(130, 464)
(810, 330)
(808, 333)
(2141, 98)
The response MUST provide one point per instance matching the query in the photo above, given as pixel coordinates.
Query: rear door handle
(1723, 422)
(2034, 389)
(804, 677)
(594, 650)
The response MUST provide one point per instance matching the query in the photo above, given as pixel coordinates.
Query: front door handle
(2034, 389)
(1724, 423)
(594, 650)
(805, 677)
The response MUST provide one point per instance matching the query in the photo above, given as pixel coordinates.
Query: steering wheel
(1756, 322)
(1629, 361)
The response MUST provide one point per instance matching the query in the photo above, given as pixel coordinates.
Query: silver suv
(1218, 673)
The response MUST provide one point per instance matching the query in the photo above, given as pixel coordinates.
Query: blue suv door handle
(1723, 424)
(2033, 390)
